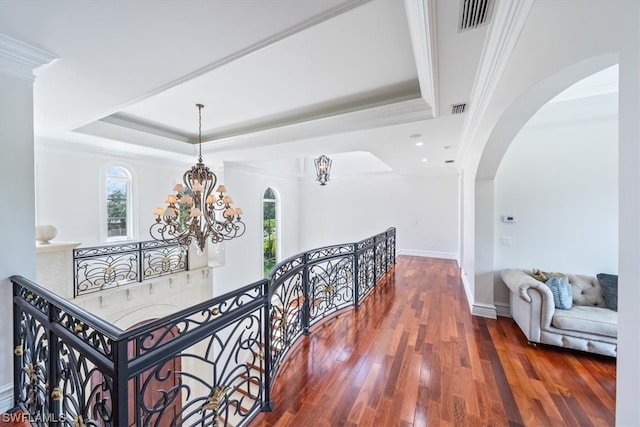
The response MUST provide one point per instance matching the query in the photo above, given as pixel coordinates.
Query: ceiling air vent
(474, 13)
(458, 108)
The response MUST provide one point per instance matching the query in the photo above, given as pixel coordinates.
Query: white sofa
(588, 326)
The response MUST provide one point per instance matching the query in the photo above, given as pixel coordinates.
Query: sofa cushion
(609, 285)
(561, 290)
(592, 320)
(586, 290)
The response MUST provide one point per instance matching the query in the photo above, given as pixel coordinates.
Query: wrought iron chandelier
(195, 213)
(323, 167)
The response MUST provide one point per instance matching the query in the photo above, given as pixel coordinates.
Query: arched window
(270, 229)
(118, 222)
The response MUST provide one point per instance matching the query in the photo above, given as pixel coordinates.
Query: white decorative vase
(45, 233)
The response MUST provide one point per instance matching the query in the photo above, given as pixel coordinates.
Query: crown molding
(421, 16)
(368, 118)
(121, 130)
(19, 59)
(502, 36)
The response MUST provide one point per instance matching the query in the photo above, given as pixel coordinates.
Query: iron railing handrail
(191, 310)
(38, 310)
(108, 329)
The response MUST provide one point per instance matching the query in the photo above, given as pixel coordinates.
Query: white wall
(65, 177)
(243, 256)
(423, 208)
(628, 375)
(561, 183)
(17, 228)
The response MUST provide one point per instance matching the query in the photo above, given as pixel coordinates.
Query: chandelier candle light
(323, 167)
(195, 213)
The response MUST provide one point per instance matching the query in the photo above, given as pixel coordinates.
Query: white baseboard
(6, 397)
(484, 310)
(503, 309)
(428, 254)
(467, 288)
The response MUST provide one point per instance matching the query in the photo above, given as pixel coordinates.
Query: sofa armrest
(523, 285)
(519, 282)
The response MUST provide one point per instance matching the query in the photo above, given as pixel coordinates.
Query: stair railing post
(306, 307)
(386, 254)
(120, 385)
(376, 268)
(53, 362)
(17, 386)
(356, 290)
(267, 404)
(140, 255)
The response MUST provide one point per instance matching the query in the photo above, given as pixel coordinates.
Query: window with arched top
(118, 218)
(270, 229)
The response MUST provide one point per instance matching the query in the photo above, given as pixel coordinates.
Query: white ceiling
(280, 79)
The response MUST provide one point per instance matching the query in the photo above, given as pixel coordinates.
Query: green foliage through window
(269, 231)
(117, 186)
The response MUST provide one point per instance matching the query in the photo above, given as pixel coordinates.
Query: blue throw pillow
(561, 290)
(609, 285)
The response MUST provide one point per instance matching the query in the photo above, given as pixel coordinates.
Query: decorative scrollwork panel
(330, 287)
(85, 392)
(391, 248)
(286, 317)
(366, 273)
(380, 257)
(217, 381)
(97, 273)
(158, 261)
(32, 352)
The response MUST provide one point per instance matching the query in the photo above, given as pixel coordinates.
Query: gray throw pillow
(609, 285)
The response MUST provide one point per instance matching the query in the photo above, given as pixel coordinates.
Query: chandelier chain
(200, 107)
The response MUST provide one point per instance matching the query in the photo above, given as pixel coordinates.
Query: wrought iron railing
(104, 267)
(212, 364)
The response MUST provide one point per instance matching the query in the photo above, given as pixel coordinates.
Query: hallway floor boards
(412, 355)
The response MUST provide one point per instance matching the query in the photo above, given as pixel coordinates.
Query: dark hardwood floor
(412, 355)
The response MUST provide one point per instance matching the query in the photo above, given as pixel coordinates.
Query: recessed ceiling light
(424, 159)
(415, 135)
(419, 144)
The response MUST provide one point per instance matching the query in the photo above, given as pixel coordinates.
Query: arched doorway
(501, 136)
